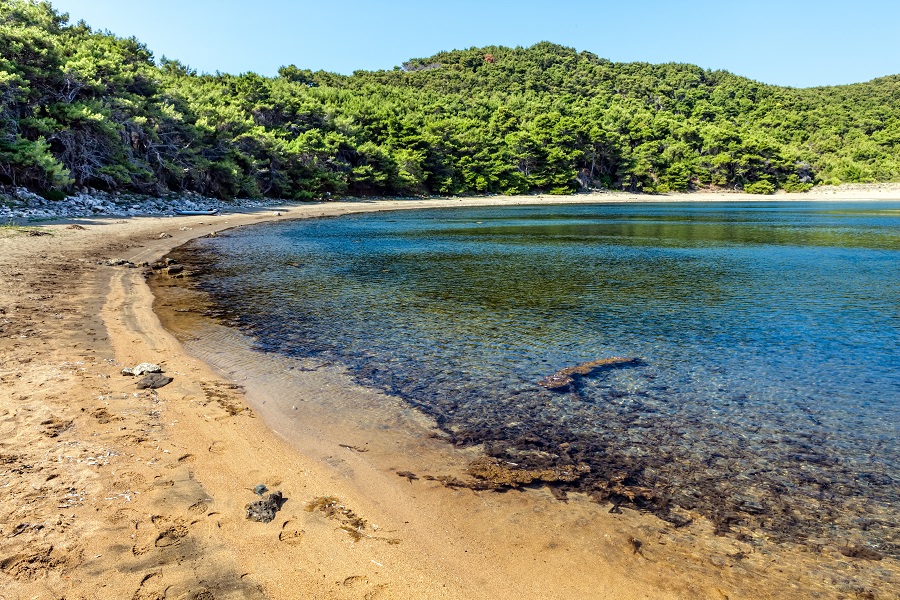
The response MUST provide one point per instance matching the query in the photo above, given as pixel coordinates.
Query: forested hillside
(85, 108)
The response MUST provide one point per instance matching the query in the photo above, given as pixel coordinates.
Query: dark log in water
(563, 378)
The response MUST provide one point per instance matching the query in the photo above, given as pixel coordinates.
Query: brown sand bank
(113, 492)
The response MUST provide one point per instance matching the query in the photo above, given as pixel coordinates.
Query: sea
(765, 390)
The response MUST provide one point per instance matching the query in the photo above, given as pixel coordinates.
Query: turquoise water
(768, 393)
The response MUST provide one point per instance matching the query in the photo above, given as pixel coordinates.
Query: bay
(766, 396)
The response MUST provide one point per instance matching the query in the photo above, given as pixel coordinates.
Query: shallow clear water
(768, 396)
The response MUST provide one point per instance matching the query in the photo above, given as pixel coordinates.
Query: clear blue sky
(798, 43)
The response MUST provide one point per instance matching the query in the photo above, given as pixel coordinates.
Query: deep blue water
(768, 396)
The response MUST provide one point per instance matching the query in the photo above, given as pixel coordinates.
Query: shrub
(793, 184)
(759, 187)
(53, 195)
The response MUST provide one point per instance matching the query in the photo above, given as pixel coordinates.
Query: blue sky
(797, 43)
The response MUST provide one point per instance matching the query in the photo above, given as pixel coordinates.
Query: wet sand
(112, 492)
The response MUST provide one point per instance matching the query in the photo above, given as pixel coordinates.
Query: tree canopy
(80, 107)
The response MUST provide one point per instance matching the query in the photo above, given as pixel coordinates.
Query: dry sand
(113, 492)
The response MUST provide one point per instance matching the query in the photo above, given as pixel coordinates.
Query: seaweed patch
(348, 521)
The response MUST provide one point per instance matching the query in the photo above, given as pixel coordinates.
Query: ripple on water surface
(767, 396)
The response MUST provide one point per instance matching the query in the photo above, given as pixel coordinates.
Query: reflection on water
(767, 398)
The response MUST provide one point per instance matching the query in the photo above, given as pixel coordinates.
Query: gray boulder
(263, 511)
(153, 381)
(142, 369)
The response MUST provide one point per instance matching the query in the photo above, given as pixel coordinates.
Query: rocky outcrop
(21, 204)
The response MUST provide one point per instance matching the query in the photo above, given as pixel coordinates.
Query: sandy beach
(109, 491)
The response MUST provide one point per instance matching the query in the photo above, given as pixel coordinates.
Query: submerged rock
(263, 511)
(565, 377)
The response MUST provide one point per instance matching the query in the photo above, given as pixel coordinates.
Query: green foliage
(85, 108)
(793, 184)
(28, 162)
(759, 187)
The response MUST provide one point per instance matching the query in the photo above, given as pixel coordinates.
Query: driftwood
(565, 377)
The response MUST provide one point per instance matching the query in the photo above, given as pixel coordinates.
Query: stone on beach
(263, 511)
(142, 369)
(118, 262)
(153, 381)
(564, 377)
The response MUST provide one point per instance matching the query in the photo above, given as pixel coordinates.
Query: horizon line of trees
(83, 108)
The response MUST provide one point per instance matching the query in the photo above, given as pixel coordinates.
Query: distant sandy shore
(113, 492)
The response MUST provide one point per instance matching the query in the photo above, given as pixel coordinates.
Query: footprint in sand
(362, 584)
(103, 416)
(171, 536)
(355, 580)
(143, 592)
(55, 426)
(168, 532)
(130, 480)
(291, 534)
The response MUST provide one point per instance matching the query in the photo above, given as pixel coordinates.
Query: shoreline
(34, 209)
(161, 479)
